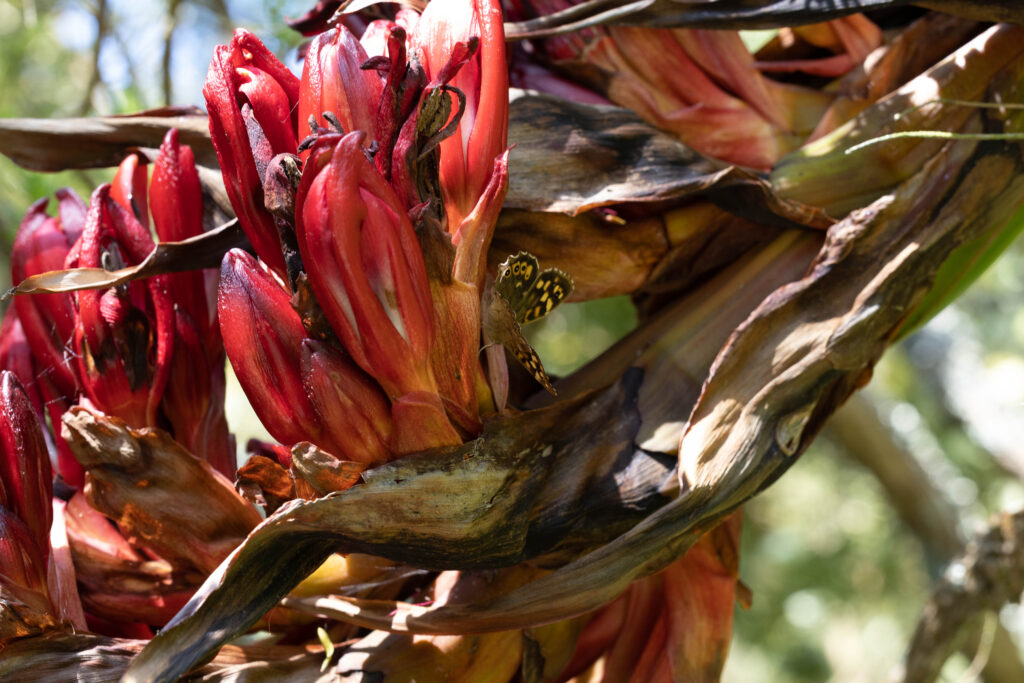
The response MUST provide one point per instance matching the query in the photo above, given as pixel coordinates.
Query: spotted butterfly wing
(524, 293)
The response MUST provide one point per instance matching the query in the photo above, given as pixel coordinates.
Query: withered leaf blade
(737, 14)
(202, 251)
(64, 657)
(59, 144)
(513, 493)
(571, 158)
(61, 656)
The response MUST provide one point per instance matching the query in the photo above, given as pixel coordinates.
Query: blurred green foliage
(40, 77)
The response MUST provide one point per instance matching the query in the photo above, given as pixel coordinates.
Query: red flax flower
(301, 389)
(123, 338)
(467, 159)
(367, 272)
(148, 352)
(334, 81)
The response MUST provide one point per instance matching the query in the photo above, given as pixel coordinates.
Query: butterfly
(524, 293)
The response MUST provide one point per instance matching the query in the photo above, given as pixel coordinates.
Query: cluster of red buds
(147, 352)
(369, 190)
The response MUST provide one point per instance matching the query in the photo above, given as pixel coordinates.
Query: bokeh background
(839, 554)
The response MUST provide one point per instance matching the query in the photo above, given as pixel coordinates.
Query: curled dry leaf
(264, 482)
(738, 14)
(158, 492)
(571, 158)
(323, 471)
(202, 251)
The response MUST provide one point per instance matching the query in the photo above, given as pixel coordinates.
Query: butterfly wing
(524, 293)
(501, 327)
(550, 288)
(515, 277)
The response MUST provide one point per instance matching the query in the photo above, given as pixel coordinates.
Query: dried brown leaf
(572, 157)
(159, 493)
(59, 144)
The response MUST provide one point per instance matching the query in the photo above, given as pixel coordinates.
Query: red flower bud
(263, 336)
(366, 269)
(365, 265)
(48, 320)
(301, 389)
(467, 157)
(333, 80)
(123, 337)
(128, 188)
(252, 98)
(26, 480)
(176, 201)
(353, 411)
(194, 397)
